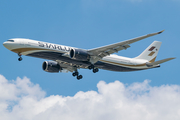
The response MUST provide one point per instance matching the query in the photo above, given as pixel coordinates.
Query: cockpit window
(11, 40)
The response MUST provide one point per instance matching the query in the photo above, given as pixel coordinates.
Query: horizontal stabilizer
(159, 62)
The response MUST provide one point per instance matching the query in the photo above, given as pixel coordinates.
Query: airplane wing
(109, 49)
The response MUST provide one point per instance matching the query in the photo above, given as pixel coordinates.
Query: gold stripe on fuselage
(120, 64)
(21, 50)
(152, 60)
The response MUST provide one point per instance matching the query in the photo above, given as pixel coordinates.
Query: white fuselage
(28, 47)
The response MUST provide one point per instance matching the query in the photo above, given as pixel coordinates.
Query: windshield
(11, 40)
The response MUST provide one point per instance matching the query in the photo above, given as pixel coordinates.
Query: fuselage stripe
(123, 64)
(21, 50)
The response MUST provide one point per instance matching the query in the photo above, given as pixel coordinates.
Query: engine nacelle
(79, 54)
(51, 66)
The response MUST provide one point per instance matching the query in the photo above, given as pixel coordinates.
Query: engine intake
(51, 66)
(79, 54)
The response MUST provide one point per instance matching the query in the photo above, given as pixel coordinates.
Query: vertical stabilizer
(150, 52)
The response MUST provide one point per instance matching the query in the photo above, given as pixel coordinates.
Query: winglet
(160, 32)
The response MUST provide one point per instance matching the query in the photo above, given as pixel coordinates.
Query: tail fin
(150, 52)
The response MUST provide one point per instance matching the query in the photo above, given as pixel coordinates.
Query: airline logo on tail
(151, 49)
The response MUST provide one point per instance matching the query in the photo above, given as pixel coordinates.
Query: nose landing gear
(20, 58)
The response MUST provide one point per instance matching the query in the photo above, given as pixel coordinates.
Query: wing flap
(113, 50)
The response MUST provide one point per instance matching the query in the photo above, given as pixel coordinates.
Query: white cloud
(22, 100)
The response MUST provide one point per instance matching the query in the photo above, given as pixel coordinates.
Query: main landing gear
(95, 70)
(76, 73)
(20, 58)
(91, 67)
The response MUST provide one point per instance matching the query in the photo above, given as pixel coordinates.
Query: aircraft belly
(57, 56)
(111, 67)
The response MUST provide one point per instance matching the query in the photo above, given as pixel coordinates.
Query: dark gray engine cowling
(51, 66)
(79, 54)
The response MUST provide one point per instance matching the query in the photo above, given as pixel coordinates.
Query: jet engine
(79, 54)
(51, 66)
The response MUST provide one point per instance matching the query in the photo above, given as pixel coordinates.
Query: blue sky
(88, 24)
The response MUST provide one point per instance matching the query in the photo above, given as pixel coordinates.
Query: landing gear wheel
(95, 70)
(79, 77)
(20, 58)
(75, 74)
(91, 67)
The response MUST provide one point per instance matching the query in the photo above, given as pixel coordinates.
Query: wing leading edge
(101, 52)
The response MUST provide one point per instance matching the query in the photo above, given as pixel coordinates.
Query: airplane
(64, 58)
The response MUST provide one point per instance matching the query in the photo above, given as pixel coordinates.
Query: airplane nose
(6, 45)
